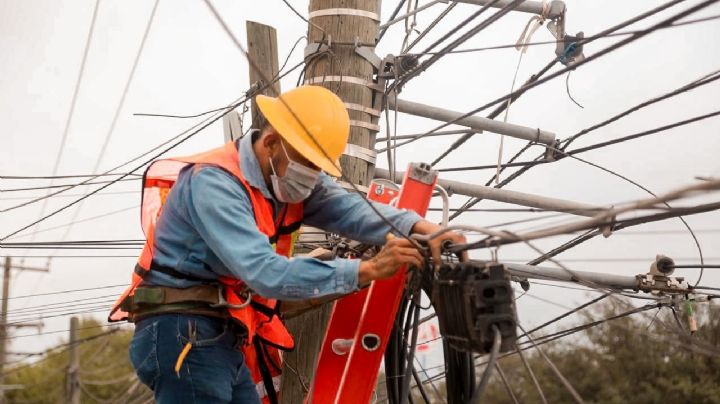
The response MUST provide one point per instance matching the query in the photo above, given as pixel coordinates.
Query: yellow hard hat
(321, 112)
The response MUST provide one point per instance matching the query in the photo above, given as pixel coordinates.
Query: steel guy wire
(392, 16)
(635, 183)
(66, 186)
(695, 84)
(70, 195)
(183, 136)
(303, 18)
(564, 315)
(536, 79)
(554, 42)
(116, 116)
(504, 379)
(192, 132)
(57, 350)
(55, 305)
(76, 91)
(62, 292)
(432, 25)
(641, 134)
(51, 177)
(600, 220)
(104, 215)
(459, 41)
(275, 78)
(118, 326)
(534, 379)
(563, 379)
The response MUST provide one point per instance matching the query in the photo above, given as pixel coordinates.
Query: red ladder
(360, 324)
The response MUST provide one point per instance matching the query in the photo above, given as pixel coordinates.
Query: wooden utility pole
(341, 24)
(3, 318)
(262, 50)
(73, 380)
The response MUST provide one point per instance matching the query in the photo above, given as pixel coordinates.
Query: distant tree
(635, 359)
(105, 372)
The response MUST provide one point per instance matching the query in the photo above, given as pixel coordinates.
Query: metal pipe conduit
(478, 123)
(558, 274)
(507, 196)
(557, 8)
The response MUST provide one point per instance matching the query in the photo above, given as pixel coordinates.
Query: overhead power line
(534, 81)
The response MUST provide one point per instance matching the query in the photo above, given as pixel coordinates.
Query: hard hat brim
(285, 123)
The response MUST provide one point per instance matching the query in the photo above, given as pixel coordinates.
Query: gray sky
(189, 65)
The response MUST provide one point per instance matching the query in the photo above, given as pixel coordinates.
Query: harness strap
(265, 372)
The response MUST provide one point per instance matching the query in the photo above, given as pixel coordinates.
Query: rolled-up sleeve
(332, 208)
(223, 216)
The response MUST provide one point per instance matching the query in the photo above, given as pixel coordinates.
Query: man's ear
(271, 141)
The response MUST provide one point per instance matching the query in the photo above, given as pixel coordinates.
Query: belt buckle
(224, 303)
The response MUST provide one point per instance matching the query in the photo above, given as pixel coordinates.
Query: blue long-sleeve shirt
(207, 229)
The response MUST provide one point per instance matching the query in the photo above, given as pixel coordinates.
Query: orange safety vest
(266, 332)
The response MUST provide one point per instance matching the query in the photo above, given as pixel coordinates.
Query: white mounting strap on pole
(344, 79)
(366, 125)
(349, 187)
(360, 108)
(360, 152)
(345, 11)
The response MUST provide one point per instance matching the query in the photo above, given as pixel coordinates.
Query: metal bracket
(567, 48)
(368, 54)
(316, 47)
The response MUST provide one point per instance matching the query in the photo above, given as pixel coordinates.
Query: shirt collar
(250, 166)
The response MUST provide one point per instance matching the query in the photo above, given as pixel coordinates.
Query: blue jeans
(214, 370)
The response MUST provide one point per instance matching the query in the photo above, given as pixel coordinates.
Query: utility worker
(220, 228)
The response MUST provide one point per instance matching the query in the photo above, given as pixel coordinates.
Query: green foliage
(638, 359)
(105, 372)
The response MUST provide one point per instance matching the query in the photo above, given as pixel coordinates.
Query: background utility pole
(7, 268)
(262, 50)
(344, 23)
(73, 380)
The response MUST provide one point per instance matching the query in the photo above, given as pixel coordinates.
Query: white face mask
(297, 183)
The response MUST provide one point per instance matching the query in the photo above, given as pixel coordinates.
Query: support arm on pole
(474, 122)
(557, 8)
(503, 195)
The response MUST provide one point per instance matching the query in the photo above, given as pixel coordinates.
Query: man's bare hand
(396, 253)
(425, 227)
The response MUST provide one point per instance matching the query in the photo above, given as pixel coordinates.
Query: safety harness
(263, 333)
